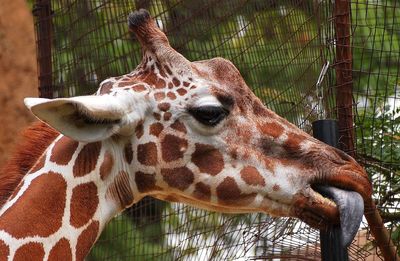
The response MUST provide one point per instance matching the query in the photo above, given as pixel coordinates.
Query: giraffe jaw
(327, 207)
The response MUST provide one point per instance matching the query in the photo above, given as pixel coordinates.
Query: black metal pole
(331, 246)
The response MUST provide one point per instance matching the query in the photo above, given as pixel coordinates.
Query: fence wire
(279, 48)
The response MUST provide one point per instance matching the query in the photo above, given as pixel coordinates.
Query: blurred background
(279, 48)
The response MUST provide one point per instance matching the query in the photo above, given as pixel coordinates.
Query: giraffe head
(194, 132)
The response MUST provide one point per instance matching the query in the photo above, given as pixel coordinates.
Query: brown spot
(61, 251)
(272, 129)
(106, 87)
(139, 130)
(179, 126)
(86, 240)
(145, 182)
(147, 154)
(39, 164)
(202, 191)
(87, 159)
(128, 153)
(228, 193)
(157, 116)
(84, 202)
(170, 85)
(139, 88)
(164, 106)
(45, 200)
(176, 82)
(120, 190)
(181, 91)
(166, 67)
(186, 84)
(293, 141)
(31, 251)
(193, 87)
(208, 159)
(126, 83)
(172, 148)
(159, 84)
(156, 129)
(106, 166)
(4, 251)
(167, 116)
(63, 150)
(276, 187)
(179, 178)
(251, 176)
(159, 96)
(171, 95)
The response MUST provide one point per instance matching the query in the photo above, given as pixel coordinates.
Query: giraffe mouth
(324, 207)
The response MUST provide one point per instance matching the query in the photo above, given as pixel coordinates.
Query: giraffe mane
(32, 143)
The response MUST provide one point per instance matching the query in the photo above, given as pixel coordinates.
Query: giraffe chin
(327, 207)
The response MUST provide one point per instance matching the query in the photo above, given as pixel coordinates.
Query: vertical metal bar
(42, 10)
(331, 240)
(344, 102)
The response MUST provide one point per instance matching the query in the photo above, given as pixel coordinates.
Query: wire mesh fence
(279, 48)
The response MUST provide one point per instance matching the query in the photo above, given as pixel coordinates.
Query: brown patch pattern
(208, 159)
(202, 191)
(159, 96)
(157, 116)
(147, 154)
(145, 182)
(171, 95)
(87, 159)
(276, 187)
(61, 251)
(272, 129)
(139, 130)
(128, 153)
(164, 106)
(228, 193)
(120, 190)
(179, 178)
(45, 200)
(181, 91)
(179, 126)
(156, 129)
(4, 251)
(167, 116)
(139, 88)
(106, 165)
(173, 148)
(86, 240)
(31, 251)
(293, 141)
(251, 176)
(84, 202)
(176, 82)
(63, 151)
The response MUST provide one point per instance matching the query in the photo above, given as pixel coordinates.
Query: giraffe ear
(83, 118)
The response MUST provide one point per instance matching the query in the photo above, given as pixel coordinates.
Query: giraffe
(180, 131)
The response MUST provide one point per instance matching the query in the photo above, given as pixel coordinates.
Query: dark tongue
(351, 209)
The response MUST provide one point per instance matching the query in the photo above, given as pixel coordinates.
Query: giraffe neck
(63, 203)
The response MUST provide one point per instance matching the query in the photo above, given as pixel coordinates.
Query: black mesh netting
(280, 48)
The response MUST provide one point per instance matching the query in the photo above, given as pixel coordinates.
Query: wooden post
(42, 11)
(344, 102)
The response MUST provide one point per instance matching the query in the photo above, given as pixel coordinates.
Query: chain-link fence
(279, 48)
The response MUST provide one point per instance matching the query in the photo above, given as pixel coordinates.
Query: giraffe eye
(209, 115)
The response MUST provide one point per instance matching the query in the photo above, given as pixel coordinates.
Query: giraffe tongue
(351, 209)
